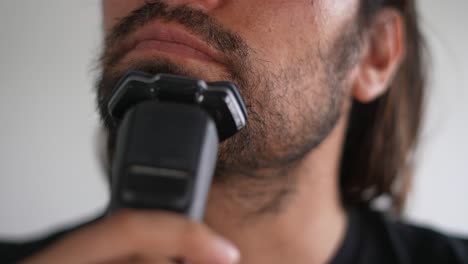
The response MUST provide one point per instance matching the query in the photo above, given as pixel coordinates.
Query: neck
(304, 220)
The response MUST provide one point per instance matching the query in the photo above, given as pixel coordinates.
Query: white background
(49, 171)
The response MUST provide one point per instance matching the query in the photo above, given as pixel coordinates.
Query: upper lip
(176, 34)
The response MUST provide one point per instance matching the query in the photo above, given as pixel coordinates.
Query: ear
(383, 50)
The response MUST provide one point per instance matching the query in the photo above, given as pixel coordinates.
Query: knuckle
(128, 224)
(193, 235)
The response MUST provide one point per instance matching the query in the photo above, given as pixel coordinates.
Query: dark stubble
(270, 144)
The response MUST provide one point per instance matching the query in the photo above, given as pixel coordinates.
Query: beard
(283, 125)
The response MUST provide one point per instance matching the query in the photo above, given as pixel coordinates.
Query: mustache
(195, 21)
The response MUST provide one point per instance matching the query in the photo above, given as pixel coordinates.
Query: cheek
(281, 31)
(294, 33)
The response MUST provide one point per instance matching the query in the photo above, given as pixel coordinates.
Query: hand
(131, 236)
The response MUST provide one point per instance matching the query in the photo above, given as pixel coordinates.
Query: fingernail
(229, 251)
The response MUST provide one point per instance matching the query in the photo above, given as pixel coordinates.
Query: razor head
(221, 100)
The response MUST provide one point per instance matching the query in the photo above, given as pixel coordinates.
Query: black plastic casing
(165, 154)
(220, 99)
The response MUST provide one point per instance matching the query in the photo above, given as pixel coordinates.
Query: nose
(203, 5)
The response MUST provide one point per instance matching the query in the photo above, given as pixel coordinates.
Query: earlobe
(368, 85)
(382, 54)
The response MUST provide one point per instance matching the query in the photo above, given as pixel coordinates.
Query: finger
(149, 235)
(137, 260)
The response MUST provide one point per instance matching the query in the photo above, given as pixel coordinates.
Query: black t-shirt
(371, 238)
(374, 237)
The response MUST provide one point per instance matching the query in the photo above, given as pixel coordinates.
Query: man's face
(292, 61)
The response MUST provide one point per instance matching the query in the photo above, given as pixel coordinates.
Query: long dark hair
(381, 138)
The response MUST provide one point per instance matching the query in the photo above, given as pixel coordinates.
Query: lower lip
(172, 48)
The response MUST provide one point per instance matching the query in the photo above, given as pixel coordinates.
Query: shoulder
(417, 244)
(14, 251)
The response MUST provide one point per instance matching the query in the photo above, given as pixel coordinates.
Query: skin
(308, 224)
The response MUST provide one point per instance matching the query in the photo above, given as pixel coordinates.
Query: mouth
(172, 40)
